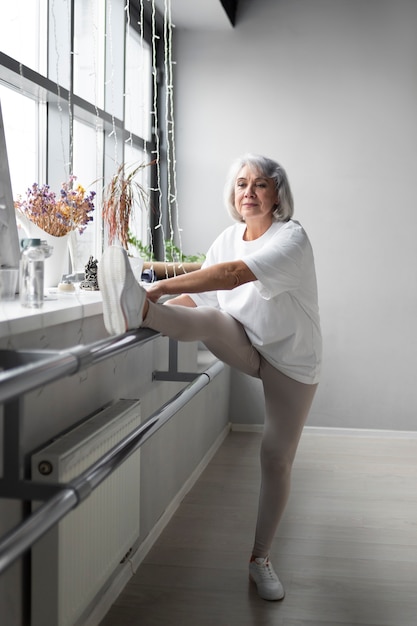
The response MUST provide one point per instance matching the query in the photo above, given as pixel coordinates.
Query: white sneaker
(123, 297)
(267, 582)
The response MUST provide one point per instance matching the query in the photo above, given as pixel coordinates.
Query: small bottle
(31, 273)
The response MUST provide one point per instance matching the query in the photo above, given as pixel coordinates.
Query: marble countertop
(58, 308)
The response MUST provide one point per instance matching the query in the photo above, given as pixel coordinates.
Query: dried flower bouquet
(58, 216)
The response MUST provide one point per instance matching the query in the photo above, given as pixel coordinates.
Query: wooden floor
(346, 549)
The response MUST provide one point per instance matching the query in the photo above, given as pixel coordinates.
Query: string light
(167, 66)
(58, 88)
(129, 140)
(142, 40)
(70, 109)
(109, 30)
(149, 236)
(173, 200)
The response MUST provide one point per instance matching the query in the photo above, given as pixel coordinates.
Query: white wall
(327, 87)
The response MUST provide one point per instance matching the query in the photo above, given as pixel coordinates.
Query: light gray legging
(287, 402)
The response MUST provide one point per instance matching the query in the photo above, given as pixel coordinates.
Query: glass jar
(32, 273)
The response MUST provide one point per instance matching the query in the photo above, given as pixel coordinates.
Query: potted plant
(176, 262)
(121, 196)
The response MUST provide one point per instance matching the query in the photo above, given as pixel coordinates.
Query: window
(21, 114)
(78, 92)
(22, 29)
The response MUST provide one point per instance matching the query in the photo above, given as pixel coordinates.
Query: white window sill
(58, 308)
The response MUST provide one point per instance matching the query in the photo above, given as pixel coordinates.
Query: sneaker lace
(266, 571)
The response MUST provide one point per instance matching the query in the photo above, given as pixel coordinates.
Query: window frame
(59, 105)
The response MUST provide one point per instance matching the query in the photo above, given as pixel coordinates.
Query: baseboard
(361, 432)
(327, 430)
(118, 583)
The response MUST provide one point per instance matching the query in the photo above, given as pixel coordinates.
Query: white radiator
(73, 561)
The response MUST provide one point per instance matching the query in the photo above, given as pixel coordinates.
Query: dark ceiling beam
(230, 6)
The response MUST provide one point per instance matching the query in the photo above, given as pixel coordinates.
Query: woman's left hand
(156, 291)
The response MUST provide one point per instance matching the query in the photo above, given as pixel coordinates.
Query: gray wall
(328, 87)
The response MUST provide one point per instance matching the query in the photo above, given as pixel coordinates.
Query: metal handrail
(57, 364)
(69, 496)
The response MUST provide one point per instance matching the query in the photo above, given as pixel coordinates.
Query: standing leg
(287, 403)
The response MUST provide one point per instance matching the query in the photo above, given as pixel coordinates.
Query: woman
(254, 305)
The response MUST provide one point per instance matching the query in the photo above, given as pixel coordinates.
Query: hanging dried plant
(121, 196)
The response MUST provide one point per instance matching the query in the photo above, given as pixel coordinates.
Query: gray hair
(284, 210)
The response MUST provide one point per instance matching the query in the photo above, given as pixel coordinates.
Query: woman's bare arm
(222, 276)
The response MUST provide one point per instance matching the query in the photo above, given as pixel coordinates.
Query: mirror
(9, 240)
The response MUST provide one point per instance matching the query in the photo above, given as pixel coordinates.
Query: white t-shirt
(279, 310)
